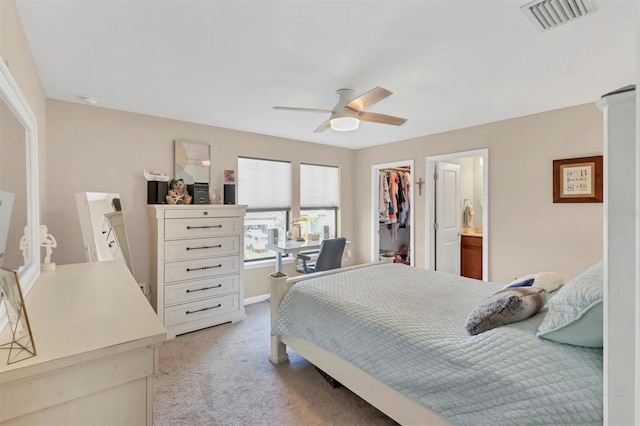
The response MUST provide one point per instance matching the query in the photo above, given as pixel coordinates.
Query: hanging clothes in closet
(394, 204)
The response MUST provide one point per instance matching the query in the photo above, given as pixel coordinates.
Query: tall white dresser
(197, 258)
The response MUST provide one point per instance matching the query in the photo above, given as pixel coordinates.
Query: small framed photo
(578, 180)
(230, 177)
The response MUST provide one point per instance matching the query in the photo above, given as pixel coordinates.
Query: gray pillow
(575, 312)
(505, 307)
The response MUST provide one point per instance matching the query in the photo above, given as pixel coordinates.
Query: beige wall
(85, 148)
(528, 233)
(103, 150)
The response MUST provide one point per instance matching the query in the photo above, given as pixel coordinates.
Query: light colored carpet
(222, 376)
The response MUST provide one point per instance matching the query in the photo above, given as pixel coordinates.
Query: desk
(291, 247)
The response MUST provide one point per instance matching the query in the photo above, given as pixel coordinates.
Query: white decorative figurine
(49, 243)
(156, 175)
(24, 245)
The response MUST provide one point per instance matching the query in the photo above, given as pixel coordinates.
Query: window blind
(264, 185)
(319, 187)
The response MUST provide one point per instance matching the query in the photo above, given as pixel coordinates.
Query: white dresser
(96, 339)
(197, 265)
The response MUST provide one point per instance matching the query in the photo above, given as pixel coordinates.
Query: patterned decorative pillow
(550, 281)
(505, 307)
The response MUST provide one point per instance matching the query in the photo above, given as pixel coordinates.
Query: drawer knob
(204, 309)
(204, 288)
(204, 267)
(205, 213)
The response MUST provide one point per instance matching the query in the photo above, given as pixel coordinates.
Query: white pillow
(575, 313)
(550, 281)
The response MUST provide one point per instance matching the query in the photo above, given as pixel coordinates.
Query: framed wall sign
(578, 180)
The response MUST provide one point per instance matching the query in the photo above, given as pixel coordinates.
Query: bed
(394, 335)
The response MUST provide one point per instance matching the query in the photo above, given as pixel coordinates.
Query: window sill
(266, 263)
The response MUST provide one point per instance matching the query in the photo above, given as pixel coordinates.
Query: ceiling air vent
(548, 14)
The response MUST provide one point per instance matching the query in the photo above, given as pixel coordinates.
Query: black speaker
(229, 194)
(200, 193)
(157, 192)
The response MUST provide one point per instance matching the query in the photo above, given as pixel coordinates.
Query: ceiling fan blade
(381, 118)
(324, 126)
(371, 97)
(302, 109)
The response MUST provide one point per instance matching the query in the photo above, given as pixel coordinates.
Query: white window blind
(319, 187)
(264, 185)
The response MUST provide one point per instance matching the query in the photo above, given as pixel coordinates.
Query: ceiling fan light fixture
(344, 124)
(347, 114)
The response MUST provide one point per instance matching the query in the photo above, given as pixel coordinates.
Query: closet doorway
(457, 206)
(392, 229)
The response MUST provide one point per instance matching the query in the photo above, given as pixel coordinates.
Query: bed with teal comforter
(405, 327)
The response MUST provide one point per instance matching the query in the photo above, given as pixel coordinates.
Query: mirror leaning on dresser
(104, 235)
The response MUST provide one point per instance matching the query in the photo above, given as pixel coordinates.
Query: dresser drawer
(200, 247)
(202, 268)
(196, 211)
(199, 289)
(199, 310)
(201, 227)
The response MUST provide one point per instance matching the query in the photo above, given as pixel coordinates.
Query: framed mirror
(19, 177)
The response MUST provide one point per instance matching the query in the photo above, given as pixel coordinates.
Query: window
(265, 187)
(319, 199)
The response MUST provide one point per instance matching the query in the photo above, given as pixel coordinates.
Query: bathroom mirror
(102, 224)
(18, 182)
(192, 162)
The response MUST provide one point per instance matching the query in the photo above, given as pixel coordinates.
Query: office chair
(329, 257)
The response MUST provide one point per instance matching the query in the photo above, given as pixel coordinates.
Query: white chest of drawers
(197, 258)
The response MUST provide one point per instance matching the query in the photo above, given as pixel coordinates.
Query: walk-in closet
(394, 207)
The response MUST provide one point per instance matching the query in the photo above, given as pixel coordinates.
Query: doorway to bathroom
(457, 206)
(392, 212)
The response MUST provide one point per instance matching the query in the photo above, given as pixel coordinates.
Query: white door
(447, 227)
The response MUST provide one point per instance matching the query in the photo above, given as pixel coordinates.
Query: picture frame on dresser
(197, 265)
(21, 345)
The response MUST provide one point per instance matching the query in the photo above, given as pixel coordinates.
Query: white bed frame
(388, 400)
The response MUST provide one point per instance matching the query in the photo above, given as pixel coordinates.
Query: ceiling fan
(348, 112)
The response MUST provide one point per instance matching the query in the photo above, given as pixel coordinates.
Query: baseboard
(257, 299)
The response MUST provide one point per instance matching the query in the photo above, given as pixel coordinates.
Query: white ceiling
(225, 63)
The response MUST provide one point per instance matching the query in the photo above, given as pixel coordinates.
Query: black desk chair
(329, 257)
